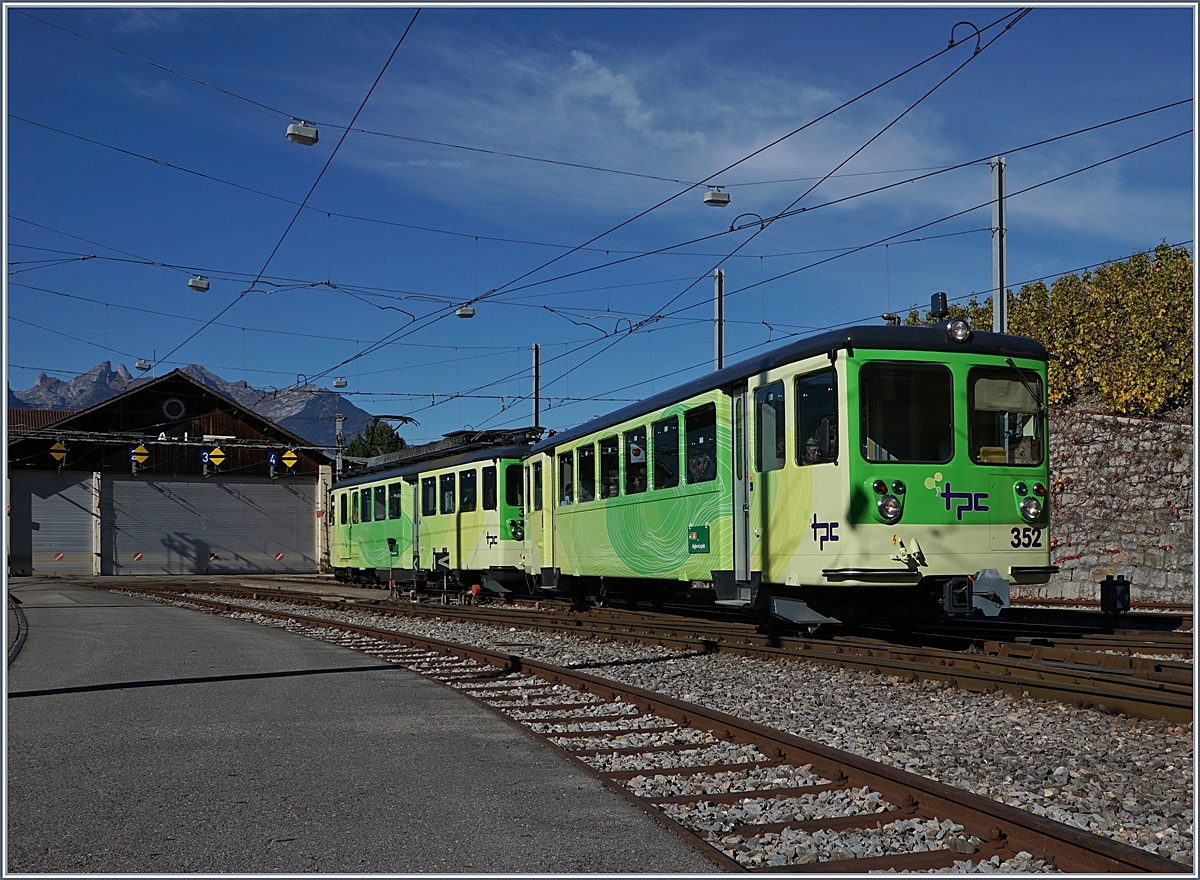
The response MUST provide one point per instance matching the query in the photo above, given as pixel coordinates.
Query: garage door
(197, 525)
(51, 523)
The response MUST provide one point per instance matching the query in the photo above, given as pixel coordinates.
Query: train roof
(933, 338)
(517, 451)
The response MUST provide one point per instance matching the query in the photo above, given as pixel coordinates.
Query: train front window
(907, 412)
(1003, 422)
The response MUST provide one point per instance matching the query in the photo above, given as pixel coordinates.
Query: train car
(371, 529)
(470, 520)
(872, 472)
(449, 515)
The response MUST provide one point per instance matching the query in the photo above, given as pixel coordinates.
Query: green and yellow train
(866, 473)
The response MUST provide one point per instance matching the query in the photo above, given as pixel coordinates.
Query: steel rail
(1006, 830)
(1136, 691)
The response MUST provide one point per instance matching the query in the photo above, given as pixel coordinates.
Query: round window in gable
(174, 408)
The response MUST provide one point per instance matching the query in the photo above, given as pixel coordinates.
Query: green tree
(376, 438)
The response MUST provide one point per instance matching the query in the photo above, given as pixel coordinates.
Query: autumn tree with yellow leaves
(1122, 332)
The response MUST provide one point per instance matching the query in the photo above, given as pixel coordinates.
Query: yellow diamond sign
(289, 458)
(140, 454)
(58, 451)
(216, 456)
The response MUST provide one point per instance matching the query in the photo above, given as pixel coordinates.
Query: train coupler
(984, 591)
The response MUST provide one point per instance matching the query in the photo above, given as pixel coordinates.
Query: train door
(535, 536)
(416, 521)
(741, 490)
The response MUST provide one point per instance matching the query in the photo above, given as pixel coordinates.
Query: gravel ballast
(1129, 779)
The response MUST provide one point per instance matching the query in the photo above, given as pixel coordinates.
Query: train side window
(666, 453)
(817, 418)
(907, 412)
(394, 491)
(770, 451)
(512, 485)
(365, 504)
(587, 472)
(566, 478)
(343, 508)
(610, 467)
(380, 503)
(537, 486)
(466, 489)
(428, 496)
(701, 427)
(447, 493)
(489, 487)
(635, 461)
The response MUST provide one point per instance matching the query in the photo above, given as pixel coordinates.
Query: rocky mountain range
(308, 411)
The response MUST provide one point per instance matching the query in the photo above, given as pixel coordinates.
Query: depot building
(169, 477)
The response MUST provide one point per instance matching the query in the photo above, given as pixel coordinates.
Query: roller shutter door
(214, 525)
(51, 522)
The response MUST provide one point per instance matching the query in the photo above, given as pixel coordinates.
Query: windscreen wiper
(1041, 410)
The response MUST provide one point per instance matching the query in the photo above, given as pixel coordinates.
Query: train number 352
(1026, 537)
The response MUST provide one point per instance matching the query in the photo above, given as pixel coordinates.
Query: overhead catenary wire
(404, 332)
(740, 161)
(762, 228)
(296, 216)
(281, 114)
(671, 248)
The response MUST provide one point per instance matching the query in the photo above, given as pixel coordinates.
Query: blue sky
(399, 232)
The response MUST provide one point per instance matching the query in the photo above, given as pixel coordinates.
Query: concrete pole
(719, 319)
(999, 248)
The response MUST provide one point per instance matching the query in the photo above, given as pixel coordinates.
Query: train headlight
(890, 508)
(1031, 509)
(959, 330)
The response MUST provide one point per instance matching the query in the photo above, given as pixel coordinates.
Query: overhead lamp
(302, 133)
(142, 364)
(716, 197)
(339, 382)
(199, 283)
(465, 311)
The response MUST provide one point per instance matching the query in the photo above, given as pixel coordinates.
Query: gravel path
(1129, 779)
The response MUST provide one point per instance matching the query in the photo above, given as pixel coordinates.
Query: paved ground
(144, 738)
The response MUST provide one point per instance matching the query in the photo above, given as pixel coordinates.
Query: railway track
(1139, 674)
(751, 797)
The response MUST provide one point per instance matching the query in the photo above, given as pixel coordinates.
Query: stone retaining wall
(1121, 504)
